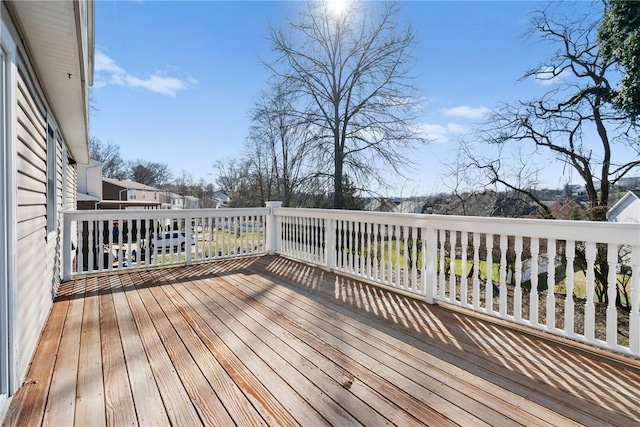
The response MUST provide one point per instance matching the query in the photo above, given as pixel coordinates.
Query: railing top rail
(616, 233)
(75, 215)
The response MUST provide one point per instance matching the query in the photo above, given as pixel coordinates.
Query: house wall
(90, 179)
(38, 249)
(112, 191)
(628, 211)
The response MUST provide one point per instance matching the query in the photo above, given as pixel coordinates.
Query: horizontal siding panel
(30, 131)
(28, 183)
(35, 226)
(29, 169)
(26, 101)
(33, 154)
(26, 197)
(29, 212)
(31, 255)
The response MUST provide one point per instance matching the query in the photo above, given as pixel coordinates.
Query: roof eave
(59, 38)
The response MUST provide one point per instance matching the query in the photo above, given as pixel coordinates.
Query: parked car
(169, 239)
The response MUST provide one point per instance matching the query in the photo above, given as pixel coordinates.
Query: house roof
(125, 203)
(410, 206)
(82, 197)
(623, 200)
(60, 37)
(130, 185)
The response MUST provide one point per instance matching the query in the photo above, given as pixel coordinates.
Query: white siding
(628, 211)
(39, 255)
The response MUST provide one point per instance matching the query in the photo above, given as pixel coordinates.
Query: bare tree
(350, 74)
(278, 143)
(236, 179)
(149, 173)
(183, 185)
(575, 120)
(109, 155)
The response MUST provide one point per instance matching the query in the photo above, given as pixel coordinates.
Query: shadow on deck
(270, 341)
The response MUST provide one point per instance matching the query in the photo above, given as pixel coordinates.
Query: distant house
(627, 209)
(568, 209)
(628, 182)
(409, 206)
(221, 198)
(176, 201)
(46, 63)
(380, 205)
(124, 194)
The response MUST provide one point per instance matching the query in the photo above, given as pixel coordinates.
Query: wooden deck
(269, 341)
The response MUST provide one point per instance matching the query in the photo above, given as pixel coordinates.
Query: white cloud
(440, 133)
(108, 72)
(546, 76)
(103, 63)
(466, 112)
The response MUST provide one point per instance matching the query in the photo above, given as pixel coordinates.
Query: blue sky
(174, 81)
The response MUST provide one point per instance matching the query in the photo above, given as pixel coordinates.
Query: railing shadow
(551, 373)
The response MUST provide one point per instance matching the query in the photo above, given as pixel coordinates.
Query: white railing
(112, 240)
(572, 278)
(577, 270)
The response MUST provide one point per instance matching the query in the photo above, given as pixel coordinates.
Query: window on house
(52, 197)
(132, 194)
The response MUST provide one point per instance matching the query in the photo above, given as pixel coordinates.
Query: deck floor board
(270, 341)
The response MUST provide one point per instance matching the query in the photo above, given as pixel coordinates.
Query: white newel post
(330, 244)
(189, 228)
(272, 233)
(66, 248)
(430, 263)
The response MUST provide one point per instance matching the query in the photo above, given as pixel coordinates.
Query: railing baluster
(309, 222)
(429, 260)
(453, 241)
(414, 257)
(296, 232)
(517, 293)
(353, 239)
(313, 234)
(488, 292)
(569, 309)
(391, 232)
(133, 225)
(590, 308)
(504, 245)
(382, 251)
(551, 284)
(533, 296)
(146, 246)
(476, 271)
(80, 251)
(218, 227)
(376, 261)
(464, 243)
(442, 291)
(362, 270)
(404, 230)
(397, 233)
(612, 285)
(92, 245)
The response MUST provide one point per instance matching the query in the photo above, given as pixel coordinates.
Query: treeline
(154, 174)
